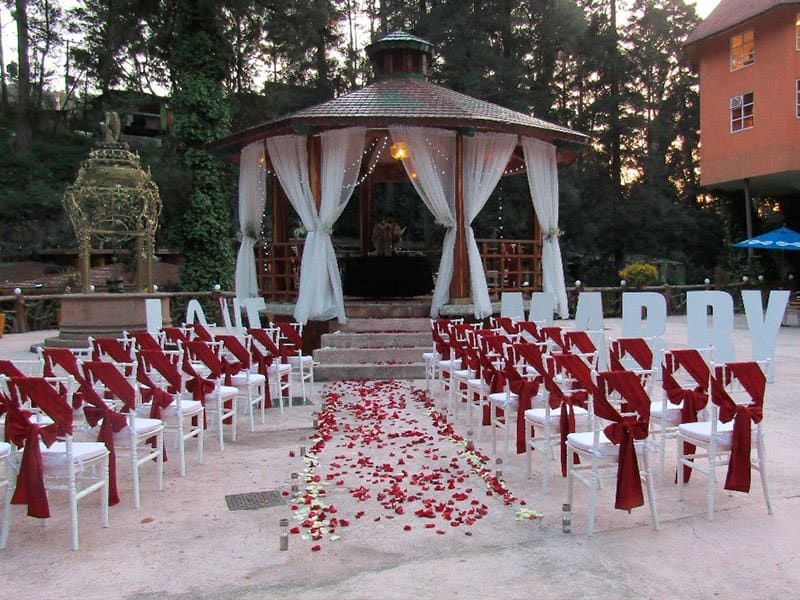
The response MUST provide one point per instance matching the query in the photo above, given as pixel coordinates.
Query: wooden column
(459, 286)
(365, 214)
(315, 168)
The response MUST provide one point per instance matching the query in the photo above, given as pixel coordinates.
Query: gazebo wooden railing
(510, 266)
(278, 269)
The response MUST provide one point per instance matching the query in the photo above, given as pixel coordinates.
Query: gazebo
(452, 148)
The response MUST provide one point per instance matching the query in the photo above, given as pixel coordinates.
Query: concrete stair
(374, 348)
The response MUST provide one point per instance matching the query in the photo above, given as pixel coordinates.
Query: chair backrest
(554, 336)
(145, 340)
(238, 347)
(156, 366)
(21, 368)
(113, 380)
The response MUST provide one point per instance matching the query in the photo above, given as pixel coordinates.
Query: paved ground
(185, 543)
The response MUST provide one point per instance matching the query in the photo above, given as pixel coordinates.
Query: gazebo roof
(404, 98)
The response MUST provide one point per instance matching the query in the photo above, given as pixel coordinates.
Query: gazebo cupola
(400, 54)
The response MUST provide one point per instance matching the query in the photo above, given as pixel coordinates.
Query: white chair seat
(296, 360)
(478, 385)
(55, 457)
(584, 441)
(452, 365)
(225, 392)
(142, 427)
(431, 356)
(539, 415)
(702, 433)
(5, 448)
(502, 399)
(279, 368)
(671, 416)
(188, 408)
(242, 379)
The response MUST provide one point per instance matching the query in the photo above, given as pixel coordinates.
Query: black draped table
(398, 276)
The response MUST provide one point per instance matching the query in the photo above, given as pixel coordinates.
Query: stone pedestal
(103, 315)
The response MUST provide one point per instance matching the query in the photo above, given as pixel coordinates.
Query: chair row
(545, 390)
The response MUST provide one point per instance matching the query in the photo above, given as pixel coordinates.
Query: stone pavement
(186, 543)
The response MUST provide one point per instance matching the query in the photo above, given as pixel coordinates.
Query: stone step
(341, 372)
(381, 310)
(376, 340)
(385, 325)
(328, 356)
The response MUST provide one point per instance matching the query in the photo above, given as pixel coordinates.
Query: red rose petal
(407, 528)
(316, 548)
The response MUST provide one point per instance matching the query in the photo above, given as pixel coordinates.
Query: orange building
(747, 53)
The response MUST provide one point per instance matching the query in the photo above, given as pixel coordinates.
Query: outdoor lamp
(745, 278)
(622, 283)
(706, 281)
(398, 150)
(577, 283)
(17, 291)
(217, 287)
(761, 278)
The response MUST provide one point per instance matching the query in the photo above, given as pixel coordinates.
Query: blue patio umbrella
(782, 238)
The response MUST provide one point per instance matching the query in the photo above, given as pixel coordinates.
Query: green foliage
(638, 275)
(202, 114)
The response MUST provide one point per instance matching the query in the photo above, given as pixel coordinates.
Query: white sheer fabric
(540, 163)
(431, 168)
(320, 296)
(485, 158)
(252, 184)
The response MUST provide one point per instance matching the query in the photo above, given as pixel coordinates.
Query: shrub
(638, 275)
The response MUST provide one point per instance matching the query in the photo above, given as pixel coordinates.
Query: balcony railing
(511, 265)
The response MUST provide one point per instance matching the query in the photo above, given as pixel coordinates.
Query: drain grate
(254, 500)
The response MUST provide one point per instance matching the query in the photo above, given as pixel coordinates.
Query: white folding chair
(5, 486)
(251, 384)
(726, 439)
(163, 399)
(123, 391)
(79, 468)
(617, 446)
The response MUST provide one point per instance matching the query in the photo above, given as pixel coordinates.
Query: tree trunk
(22, 141)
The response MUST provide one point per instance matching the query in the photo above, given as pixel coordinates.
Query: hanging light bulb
(398, 150)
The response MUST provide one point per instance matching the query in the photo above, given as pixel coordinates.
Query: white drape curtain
(485, 158)
(540, 163)
(431, 168)
(320, 296)
(252, 186)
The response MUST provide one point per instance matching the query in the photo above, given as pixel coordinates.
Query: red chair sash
(263, 338)
(145, 340)
(65, 359)
(160, 362)
(9, 369)
(624, 430)
(507, 325)
(175, 335)
(579, 340)
(114, 381)
(201, 331)
(113, 422)
(21, 432)
(110, 347)
(554, 333)
(531, 328)
(752, 379)
(291, 334)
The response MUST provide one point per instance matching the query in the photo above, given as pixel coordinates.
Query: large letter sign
(644, 315)
(589, 318)
(704, 330)
(543, 305)
(764, 327)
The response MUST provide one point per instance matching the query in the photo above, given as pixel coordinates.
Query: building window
(742, 50)
(797, 98)
(797, 32)
(742, 112)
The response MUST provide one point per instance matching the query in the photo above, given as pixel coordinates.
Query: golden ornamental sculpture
(114, 200)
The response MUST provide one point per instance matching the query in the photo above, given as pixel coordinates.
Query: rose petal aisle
(399, 461)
